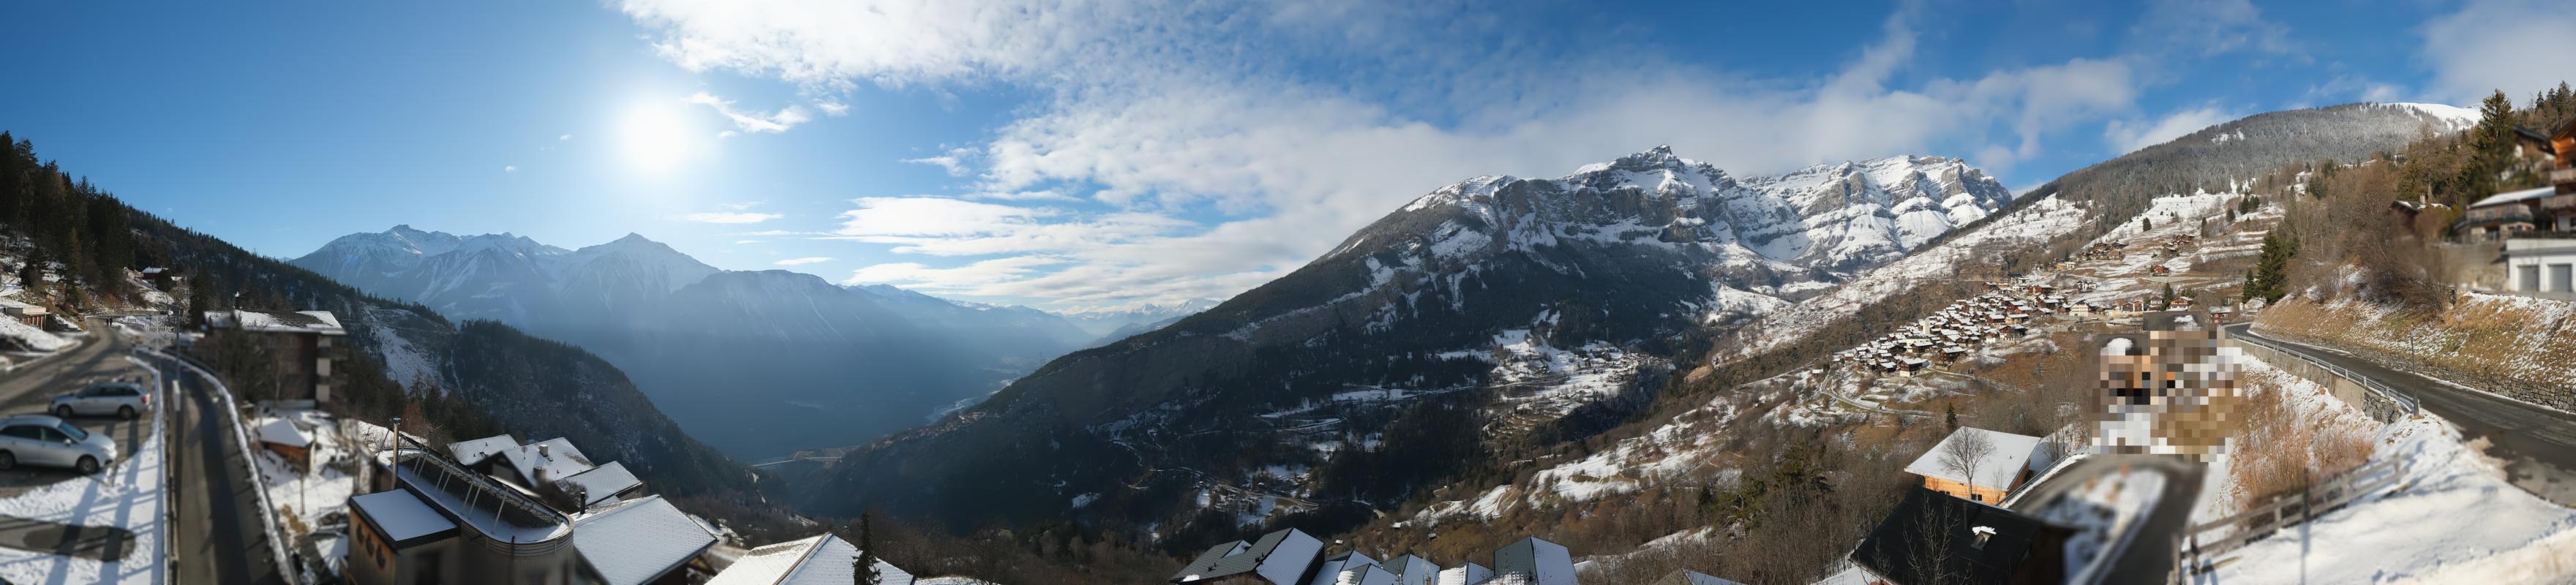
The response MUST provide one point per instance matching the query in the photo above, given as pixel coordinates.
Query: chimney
(543, 452)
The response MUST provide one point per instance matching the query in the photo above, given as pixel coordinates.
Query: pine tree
(1951, 415)
(2145, 224)
(863, 569)
(2266, 280)
(2490, 145)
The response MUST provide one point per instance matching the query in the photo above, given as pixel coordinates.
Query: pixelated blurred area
(2171, 389)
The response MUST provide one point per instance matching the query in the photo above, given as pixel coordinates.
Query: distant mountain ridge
(1505, 309)
(708, 344)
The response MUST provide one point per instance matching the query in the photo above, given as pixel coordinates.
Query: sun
(658, 138)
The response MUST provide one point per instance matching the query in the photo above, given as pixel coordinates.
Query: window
(73, 431)
(23, 432)
(51, 435)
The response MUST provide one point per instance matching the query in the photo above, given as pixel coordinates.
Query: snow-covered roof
(1468, 574)
(14, 307)
(639, 541)
(284, 432)
(2514, 196)
(601, 484)
(322, 322)
(2012, 454)
(820, 560)
(489, 507)
(473, 452)
(401, 515)
(556, 457)
(1279, 557)
(1540, 562)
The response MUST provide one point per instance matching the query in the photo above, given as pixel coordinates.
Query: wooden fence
(2193, 555)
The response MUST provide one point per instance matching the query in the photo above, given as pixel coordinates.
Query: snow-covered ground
(319, 490)
(32, 337)
(2451, 518)
(129, 494)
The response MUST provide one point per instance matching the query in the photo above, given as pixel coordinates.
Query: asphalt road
(218, 539)
(2148, 559)
(2537, 445)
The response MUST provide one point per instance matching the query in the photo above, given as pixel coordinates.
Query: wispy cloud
(730, 217)
(1287, 161)
(803, 261)
(777, 122)
(2131, 135)
(563, 138)
(509, 169)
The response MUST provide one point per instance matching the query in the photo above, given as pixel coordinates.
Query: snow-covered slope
(1527, 301)
(1104, 321)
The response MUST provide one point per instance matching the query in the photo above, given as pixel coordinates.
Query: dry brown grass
(2503, 344)
(2280, 449)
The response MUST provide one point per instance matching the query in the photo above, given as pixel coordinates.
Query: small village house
(1997, 474)
(29, 314)
(282, 437)
(304, 346)
(163, 278)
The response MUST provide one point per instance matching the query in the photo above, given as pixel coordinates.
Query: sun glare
(657, 138)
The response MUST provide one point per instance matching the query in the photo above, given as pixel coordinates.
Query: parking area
(31, 387)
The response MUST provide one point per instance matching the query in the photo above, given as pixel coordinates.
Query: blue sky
(1129, 150)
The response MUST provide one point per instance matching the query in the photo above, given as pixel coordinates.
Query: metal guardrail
(2368, 383)
(277, 543)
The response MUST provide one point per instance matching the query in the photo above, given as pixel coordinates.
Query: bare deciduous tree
(1963, 453)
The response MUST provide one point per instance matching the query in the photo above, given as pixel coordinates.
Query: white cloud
(833, 108)
(784, 119)
(1156, 109)
(509, 169)
(563, 138)
(803, 261)
(742, 205)
(730, 217)
(2517, 46)
(2209, 27)
(741, 242)
(2129, 136)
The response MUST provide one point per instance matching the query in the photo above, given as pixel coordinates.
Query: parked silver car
(36, 439)
(123, 399)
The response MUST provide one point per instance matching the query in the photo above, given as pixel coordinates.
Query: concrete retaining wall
(2349, 391)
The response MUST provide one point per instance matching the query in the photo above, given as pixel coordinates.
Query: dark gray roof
(1246, 560)
(2020, 546)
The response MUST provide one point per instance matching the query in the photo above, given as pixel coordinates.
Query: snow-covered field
(129, 494)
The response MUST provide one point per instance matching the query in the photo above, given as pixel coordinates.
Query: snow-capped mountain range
(1528, 299)
(713, 346)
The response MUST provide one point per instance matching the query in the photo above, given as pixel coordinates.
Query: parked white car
(123, 399)
(36, 439)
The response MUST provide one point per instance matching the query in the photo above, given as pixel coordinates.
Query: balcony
(2562, 176)
(2558, 203)
(2499, 214)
